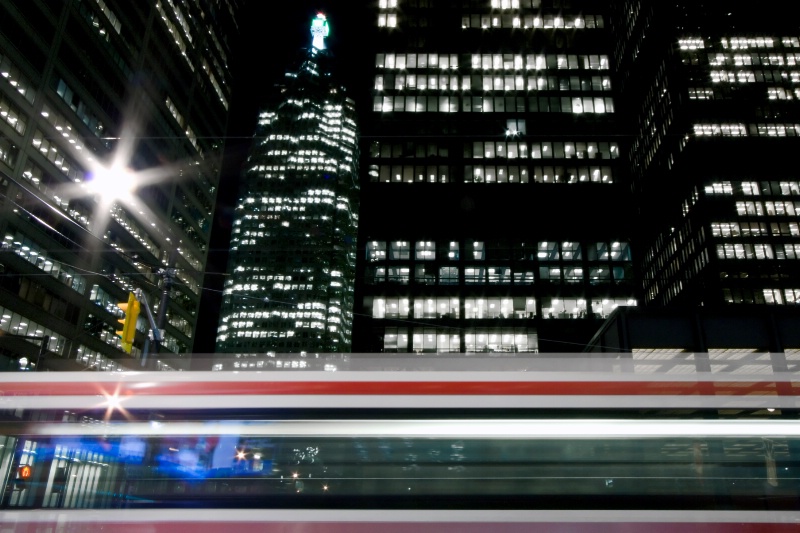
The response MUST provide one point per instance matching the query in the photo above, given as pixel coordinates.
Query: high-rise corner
(113, 121)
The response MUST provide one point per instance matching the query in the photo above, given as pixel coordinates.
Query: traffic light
(128, 331)
(24, 474)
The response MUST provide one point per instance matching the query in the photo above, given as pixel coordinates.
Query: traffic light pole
(155, 332)
(157, 325)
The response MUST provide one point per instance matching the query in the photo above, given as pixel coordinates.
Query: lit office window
(425, 250)
(563, 307)
(390, 307)
(376, 251)
(451, 251)
(399, 250)
(548, 251)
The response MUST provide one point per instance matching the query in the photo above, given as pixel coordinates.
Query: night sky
(272, 33)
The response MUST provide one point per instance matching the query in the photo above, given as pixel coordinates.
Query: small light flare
(113, 402)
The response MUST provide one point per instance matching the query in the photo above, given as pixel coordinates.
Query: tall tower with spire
(292, 260)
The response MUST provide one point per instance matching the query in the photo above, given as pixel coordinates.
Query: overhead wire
(159, 266)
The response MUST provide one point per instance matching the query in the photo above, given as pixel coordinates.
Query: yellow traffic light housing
(128, 332)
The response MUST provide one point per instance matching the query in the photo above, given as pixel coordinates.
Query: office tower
(292, 258)
(113, 114)
(713, 89)
(496, 219)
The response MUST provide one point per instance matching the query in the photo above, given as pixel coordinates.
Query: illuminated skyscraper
(713, 90)
(115, 89)
(292, 258)
(498, 218)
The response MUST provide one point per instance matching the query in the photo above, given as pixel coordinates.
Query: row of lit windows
(426, 307)
(753, 76)
(569, 150)
(267, 170)
(547, 174)
(742, 130)
(773, 93)
(512, 4)
(410, 173)
(495, 275)
(95, 360)
(49, 150)
(499, 149)
(740, 43)
(175, 33)
(500, 104)
(19, 81)
(575, 274)
(743, 43)
(483, 340)
(758, 251)
(539, 62)
(102, 298)
(491, 174)
(754, 229)
(38, 255)
(134, 228)
(448, 275)
(64, 129)
(786, 208)
(762, 296)
(572, 307)
(488, 83)
(507, 62)
(528, 21)
(54, 190)
(478, 251)
(741, 60)
(701, 93)
(779, 93)
(495, 174)
(12, 114)
(403, 61)
(16, 324)
(754, 188)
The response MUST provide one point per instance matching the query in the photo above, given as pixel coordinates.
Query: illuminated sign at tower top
(319, 30)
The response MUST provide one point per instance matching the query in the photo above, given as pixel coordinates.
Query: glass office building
(713, 93)
(497, 220)
(111, 116)
(292, 258)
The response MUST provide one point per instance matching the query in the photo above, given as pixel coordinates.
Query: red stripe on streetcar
(410, 388)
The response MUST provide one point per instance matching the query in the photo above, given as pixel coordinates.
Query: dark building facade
(744, 339)
(111, 122)
(712, 91)
(292, 259)
(497, 219)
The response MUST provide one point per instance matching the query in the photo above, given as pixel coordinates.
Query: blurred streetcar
(567, 449)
